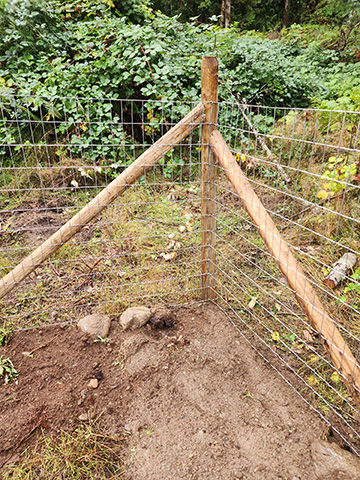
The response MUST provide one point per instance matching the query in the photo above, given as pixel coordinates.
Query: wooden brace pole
(340, 353)
(147, 160)
(209, 97)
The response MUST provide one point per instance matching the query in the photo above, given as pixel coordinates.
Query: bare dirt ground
(196, 400)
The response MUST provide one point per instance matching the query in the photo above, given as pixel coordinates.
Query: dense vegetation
(104, 49)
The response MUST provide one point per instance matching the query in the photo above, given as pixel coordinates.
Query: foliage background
(105, 49)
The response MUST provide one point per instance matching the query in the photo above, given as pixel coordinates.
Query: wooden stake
(209, 95)
(340, 353)
(147, 160)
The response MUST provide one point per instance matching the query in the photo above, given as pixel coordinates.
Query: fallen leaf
(307, 336)
(240, 158)
(323, 194)
(275, 336)
(252, 302)
(168, 256)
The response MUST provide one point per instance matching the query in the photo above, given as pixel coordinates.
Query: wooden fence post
(209, 95)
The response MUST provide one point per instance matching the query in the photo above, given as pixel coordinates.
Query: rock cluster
(131, 319)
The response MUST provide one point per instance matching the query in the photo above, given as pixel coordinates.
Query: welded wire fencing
(58, 154)
(145, 248)
(316, 213)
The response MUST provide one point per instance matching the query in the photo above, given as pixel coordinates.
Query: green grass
(134, 252)
(86, 453)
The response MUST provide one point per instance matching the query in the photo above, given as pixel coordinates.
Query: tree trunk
(225, 13)
(286, 15)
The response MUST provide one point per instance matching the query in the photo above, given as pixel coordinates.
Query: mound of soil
(196, 400)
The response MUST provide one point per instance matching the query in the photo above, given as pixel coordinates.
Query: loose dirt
(196, 400)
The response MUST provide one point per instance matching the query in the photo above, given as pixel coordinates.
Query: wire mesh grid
(56, 154)
(303, 165)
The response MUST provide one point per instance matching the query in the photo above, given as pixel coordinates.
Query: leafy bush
(339, 172)
(51, 54)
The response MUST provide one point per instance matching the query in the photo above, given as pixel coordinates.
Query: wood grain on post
(340, 353)
(147, 160)
(209, 97)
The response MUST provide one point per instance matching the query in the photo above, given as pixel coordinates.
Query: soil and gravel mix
(195, 399)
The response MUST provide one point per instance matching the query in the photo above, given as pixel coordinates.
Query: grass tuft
(83, 454)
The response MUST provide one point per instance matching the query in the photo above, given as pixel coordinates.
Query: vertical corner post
(209, 97)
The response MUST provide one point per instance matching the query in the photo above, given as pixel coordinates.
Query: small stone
(95, 325)
(94, 383)
(84, 417)
(98, 374)
(332, 462)
(135, 317)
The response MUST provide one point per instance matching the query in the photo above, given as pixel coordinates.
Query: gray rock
(95, 325)
(333, 463)
(135, 317)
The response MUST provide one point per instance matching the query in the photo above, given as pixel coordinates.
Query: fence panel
(308, 181)
(304, 164)
(58, 154)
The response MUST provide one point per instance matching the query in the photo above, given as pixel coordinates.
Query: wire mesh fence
(57, 154)
(317, 216)
(144, 247)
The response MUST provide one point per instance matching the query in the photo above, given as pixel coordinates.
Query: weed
(100, 339)
(86, 453)
(7, 370)
(5, 335)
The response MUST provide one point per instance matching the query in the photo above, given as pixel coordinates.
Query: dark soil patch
(196, 400)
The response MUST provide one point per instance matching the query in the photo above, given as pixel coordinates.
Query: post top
(210, 60)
